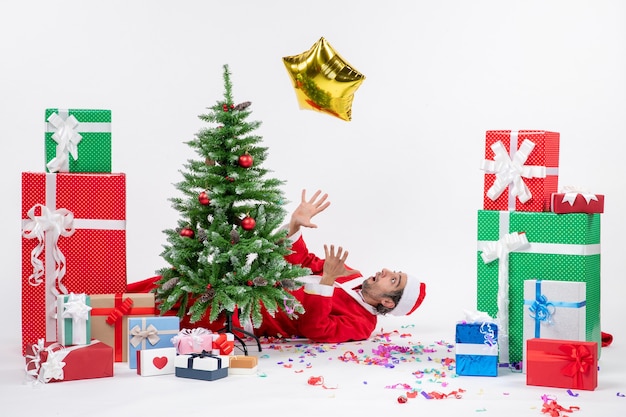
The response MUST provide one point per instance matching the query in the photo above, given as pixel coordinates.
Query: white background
(403, 175)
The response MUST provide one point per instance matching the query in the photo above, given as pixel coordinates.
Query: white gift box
(554, 310)
(152, 362)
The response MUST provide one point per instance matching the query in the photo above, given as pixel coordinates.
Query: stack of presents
(538, 269)
(77, 319)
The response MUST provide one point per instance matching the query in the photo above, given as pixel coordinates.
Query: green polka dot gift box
(78, 140)
(514, 247)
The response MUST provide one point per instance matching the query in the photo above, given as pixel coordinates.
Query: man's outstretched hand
(335, 265)
(303, 214)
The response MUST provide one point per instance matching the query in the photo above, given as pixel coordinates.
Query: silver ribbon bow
(510, 171)
(500, 250)
(48, 227)
(151, 334)
(67, 138)
(52, 368)
(571, 192)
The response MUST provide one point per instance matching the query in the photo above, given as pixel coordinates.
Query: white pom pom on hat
(412, 297)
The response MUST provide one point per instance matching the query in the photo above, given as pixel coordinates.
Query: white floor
(368, 384)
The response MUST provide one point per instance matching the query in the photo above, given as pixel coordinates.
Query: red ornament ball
(248, 223)
(203, 198)
(402, 399)
(246, 161)
(187, 232)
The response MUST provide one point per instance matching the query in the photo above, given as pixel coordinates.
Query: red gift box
(73, 240)
(577, 202)
(521, 169)
(51, 362)
(562, 364)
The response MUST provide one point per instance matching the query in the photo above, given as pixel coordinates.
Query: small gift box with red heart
(193, 341)
(152, 362)
(150, 333)
(562, 364)
(205, 366)
(223, 343)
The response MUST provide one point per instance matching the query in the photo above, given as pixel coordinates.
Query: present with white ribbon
(53, 362)
(73, 319)
(73, 240)
(150, 333)
(193, 341)
(521, 169)
(562, 247)
(477, 346)
(554, 310)
(577, 200)
(78, 140)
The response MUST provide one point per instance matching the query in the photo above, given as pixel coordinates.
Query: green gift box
(78, 140)
(516, 246)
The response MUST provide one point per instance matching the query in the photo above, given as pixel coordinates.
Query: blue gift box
(477, 349)
(150, 333)
(205, 366)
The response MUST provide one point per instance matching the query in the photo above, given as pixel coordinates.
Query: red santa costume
(333, 314)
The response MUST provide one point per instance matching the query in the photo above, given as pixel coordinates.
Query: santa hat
(412, 297)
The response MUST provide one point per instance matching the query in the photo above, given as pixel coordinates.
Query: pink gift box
(196, 340)
(521, 170)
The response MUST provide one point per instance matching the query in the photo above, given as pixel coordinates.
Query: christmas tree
(228, 250)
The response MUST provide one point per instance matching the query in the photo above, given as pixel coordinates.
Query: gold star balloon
(323, 80)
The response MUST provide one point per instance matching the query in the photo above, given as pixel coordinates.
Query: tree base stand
(230, 328)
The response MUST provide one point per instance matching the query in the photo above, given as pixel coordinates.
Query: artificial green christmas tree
(228, 251)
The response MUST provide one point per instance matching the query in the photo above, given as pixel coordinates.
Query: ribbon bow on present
(197, 338)
(151, 334)
(120, 311)
(541, 309)
(580, 360)
(76, 308)
(67, 138)
(52, 368)
(50, 225)
(571, 193)
(500, 250)
(510, 171)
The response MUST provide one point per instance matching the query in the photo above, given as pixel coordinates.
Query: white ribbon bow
(77, 309)
(151, 333)
(500, 250)
(67, 138)
(52, 368)
(477, 317)
(571, 192)
(511, 171)
(50, 225)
